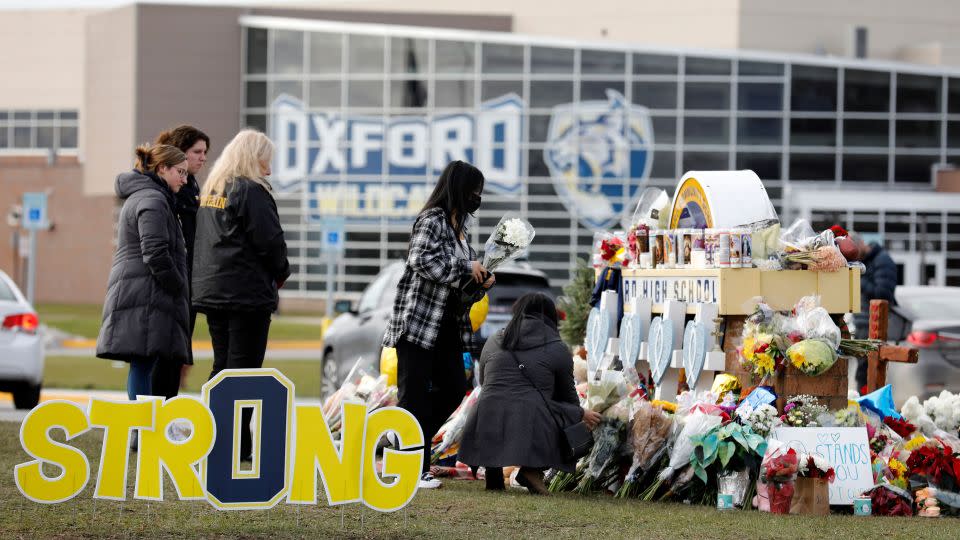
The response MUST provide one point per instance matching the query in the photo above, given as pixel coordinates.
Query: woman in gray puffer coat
(515, 422)
(146, 312)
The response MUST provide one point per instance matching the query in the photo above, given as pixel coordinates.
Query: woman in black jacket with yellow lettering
(240, 257)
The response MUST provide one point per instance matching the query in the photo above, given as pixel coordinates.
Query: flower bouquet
(612, 250)
(859, 347)
(694, 424)
(891, 470)
(815, 466)
(764, 343)
(803, 411)
(927, 504)
(650, 434)
(604, 393)
(886, 500)
(901, 427)
(822, 259)
(802, 248)
(447, 441)
(941, 412)
(762, 420)
(812, 356)
(509, 239)
(779, 473)
(606, 443)
(730, 452)
(936, 465)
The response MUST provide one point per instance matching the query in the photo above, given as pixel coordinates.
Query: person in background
(146, 311)
(240, 258)
(168, 378)
(430, 326)
(515, 423)
(878, 282)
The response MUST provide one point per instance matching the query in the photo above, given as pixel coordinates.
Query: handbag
(575, 439)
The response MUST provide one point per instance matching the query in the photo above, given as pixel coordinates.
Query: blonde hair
(241, 157)
(151, 157)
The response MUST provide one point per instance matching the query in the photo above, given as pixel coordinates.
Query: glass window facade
(364, 123)
(23, 130)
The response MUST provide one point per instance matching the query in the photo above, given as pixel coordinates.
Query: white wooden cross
(633, 340)
(674, 313)
(601, 326)
(704, 358)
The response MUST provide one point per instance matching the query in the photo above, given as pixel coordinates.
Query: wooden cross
(877, 360)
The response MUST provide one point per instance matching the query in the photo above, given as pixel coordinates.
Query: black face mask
(473, 204)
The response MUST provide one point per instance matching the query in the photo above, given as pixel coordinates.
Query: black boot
(495, 479)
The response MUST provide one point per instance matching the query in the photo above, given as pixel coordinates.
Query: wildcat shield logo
(341, 161)
(598, 153)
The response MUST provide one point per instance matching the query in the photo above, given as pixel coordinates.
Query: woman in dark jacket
(514, 422)
(240, 258)
(145, 314)
(430, 326)
(194, 144)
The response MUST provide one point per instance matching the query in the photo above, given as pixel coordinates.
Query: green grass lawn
(89, 373)
(84, 320)
(461, 510)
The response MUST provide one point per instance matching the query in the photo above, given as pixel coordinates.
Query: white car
(21, 346)
(933, 326)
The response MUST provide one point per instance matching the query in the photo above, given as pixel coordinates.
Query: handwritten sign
(690, 290)
(846, 449)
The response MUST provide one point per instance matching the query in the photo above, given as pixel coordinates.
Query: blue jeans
(139, 378)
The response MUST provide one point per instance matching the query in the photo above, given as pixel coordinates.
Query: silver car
(933, 326)
(356, 334)
(21, 346)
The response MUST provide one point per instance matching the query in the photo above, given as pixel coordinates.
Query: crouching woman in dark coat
(514, 422)
(146, 312)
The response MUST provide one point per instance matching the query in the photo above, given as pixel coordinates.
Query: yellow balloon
(388, 365)
(478, 313)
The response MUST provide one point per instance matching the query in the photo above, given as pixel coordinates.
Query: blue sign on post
(35, 211)
(333, 235)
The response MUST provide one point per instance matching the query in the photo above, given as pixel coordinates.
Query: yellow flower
(764, 363)
(665, 405)
(915, 443)
(899, 469)
(796, 358)
(749, 345)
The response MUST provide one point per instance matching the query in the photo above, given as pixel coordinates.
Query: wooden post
(877, 361)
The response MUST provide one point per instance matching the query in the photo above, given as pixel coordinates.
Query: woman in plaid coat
(430, 326)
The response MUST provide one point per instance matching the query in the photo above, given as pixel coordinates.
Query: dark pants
(138, 378)
(431, 382)
(239, 342)
(166, 376)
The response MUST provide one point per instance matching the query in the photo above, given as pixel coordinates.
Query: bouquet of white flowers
(511, 237)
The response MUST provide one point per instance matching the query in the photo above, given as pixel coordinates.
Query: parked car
(21, 346)
(932, 325)
(356, 333)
